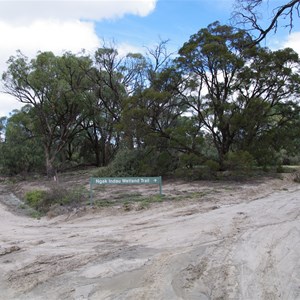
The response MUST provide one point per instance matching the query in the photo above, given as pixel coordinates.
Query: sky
(131, 25)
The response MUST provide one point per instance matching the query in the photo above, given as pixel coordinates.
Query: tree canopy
(216, 103)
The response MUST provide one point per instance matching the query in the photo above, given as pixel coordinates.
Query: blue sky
(177, 20)
(73, 25)
(174, 20)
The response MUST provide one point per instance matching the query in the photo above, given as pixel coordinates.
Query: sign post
(124, 180)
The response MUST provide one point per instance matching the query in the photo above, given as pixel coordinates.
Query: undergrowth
(43, 200)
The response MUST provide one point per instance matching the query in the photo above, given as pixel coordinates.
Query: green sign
(124, 180)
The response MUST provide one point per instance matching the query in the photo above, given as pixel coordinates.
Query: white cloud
(293, 41)
(8, 104)
(24, 11)
(52, 35)
(57, 25)
(47, 36)
(124, 49)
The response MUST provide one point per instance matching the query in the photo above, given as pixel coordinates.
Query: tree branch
(246, 11)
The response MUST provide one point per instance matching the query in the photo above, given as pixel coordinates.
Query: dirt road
(239, 243)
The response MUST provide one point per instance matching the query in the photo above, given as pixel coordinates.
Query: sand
(238, 241)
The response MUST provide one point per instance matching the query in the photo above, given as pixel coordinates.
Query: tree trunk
(50, 169)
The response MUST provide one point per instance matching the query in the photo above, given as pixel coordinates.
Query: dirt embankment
(209, 241)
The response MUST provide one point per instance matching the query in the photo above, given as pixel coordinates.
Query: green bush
(124, 164)
(139, 162)
(35, 198)
(239, 160)
(279, 169)
(60, 195)
(189, 160)
(43, 200)
(212, 165)
(199, 173)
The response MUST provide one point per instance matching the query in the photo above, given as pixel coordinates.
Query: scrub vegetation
(219, 108)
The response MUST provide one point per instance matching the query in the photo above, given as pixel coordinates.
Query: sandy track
(241, 245)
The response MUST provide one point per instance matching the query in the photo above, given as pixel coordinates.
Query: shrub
(212, 165)
(139, 162)
(43, 200)
(192, 174)
(297, 177)
(35, 198)
(190, 160)
(124, 164)
(239, 160)
(279, 169)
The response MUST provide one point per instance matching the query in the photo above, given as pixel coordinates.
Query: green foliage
(239, 160)
(124, 164)
(183, 114)
(42, 200)
(21, 152)
(55, 87)
(144, 162)
(35, 198)
(190, 160)
(212, 165)
(249, 97)
(36, 214)
(145, 202)
(280, 169)
(130, 201)
(190, 174)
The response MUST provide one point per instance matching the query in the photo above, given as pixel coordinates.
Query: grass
(104, 203)
(192, 195)
(130, 201)
(36, 215)
(22, 206)
(57, 194)
(196, 195)
(144, 202)
(76, 192)
(297, 178)
(122, 195)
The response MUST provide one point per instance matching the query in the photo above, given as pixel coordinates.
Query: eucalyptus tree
(152, 111)
(21, 150)
(3, 121)
(248, 13)
(99, 132)
(233, 90)
(56, 88)
(268, 91)
(114, 78)
(210, 62)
